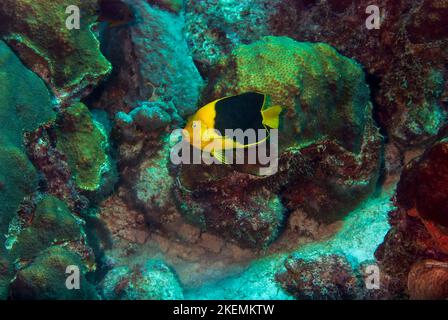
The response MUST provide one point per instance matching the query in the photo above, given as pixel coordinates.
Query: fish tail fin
(271, 116)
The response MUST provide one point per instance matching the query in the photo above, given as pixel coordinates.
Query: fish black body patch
(240, 112)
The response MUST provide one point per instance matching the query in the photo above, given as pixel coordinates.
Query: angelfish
(250, 110)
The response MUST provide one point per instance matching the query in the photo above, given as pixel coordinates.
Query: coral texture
(84, 141)
(69, 60)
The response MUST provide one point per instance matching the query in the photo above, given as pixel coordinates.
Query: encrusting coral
(52, 223)
(69, 60)
(84, 141)
(45, 278)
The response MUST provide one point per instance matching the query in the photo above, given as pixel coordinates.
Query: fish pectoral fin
(219, 155)
(271, 116)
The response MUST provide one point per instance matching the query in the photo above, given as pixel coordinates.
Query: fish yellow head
(199, 125)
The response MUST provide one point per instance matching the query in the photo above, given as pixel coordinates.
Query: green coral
(84, 142)
(25, 105)
(52, 223)
(65, 58)
(325, 93)
(45, 278)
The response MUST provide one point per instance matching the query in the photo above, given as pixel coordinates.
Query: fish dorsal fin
(271, 116)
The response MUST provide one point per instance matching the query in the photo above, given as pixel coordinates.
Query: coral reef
(68, 60)
(404, 58)
(24, 98)
(428, 279)
(405, 68)
(153, 281)
(424, 185)
(302, 77)
(86, 144)
(25, 105)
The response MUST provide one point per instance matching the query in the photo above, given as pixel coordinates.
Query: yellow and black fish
(251, 110)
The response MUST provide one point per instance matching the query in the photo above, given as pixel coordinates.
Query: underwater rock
(154, 281)
(235, 207)
(68, 60)
(149, 184)
(123, 222)
(149, 117)
(329, 147)
(324, 278)
(214, 28)
(418, 229)
(428, 280)
(423, 185)
(52, 223)
(151, 62)
(405, 58)
(45, 278)
(84, 141)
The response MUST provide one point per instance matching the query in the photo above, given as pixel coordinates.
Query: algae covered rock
(45, 278)
(151, 61)
(234, 206)
(414, 253)
(215, 27)
(68, 59)
(324, 278)
(154, 281)
(52, 223)
(424, 185)
(84, 142)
